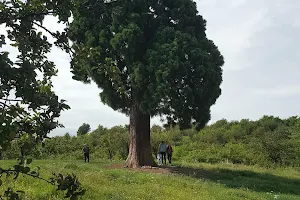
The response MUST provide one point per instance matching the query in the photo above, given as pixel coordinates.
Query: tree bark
(139, 147)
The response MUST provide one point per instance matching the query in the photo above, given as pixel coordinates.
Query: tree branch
(18, 100)
(47, 30)
(35, 14)
(10, 170)
(53, 35)
(3, 104)
(14, 16)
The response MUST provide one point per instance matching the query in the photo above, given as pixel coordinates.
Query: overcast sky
(260, 43)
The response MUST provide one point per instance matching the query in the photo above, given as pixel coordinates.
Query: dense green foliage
(199, 181)
(29, 109)
(27, 103)
(150, 53)
(84, 129)
(269, 141)
(104, 144)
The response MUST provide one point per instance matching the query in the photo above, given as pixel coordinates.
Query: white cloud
(231, 24)
(282, 91)
(259, 42)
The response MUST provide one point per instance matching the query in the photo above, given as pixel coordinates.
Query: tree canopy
(84, 129)
(151, 53)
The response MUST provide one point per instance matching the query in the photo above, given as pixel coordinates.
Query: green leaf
(18, 168)
(28, 161)
(26, 170)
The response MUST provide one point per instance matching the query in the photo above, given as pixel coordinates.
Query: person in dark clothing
(169, 152)
(0, 153)
(86, 153)
(162, 149)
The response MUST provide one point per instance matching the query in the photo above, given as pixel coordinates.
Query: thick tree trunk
(139, 147)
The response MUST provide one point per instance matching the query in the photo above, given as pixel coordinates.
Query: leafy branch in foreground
(68, 183)
(28, 106)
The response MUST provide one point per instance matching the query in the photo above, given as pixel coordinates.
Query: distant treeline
(270, 141)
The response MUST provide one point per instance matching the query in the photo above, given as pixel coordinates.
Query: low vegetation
(237, 160)
(267, 142)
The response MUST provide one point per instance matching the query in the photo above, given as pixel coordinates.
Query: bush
(269, 141)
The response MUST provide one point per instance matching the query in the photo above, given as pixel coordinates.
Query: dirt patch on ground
(192, 172)
(159, 169)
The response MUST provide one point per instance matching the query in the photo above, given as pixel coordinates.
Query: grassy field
(189, 181)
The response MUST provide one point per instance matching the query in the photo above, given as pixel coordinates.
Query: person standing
(169, 152)
(0, 153)
(162, 150)
(86, 153)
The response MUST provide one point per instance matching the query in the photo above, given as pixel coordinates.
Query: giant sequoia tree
(149, 57)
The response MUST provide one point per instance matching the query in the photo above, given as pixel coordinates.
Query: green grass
(190, 181)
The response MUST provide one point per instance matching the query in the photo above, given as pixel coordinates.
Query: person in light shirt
(162, 149)
(0, 153)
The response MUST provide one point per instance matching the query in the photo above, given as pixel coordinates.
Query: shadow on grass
(260, 182)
